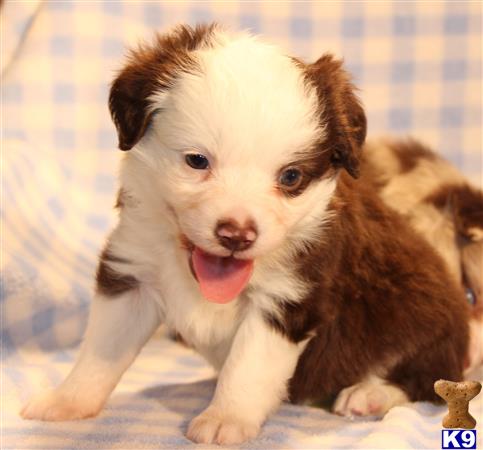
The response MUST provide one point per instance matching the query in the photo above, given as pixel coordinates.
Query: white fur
(424, 179)
(250, 112)
(251, 384)
(236, 115)
(116, 331)
(371, 397)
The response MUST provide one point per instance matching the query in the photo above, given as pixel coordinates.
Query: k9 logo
(458, 438)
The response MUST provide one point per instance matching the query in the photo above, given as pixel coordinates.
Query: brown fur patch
(120, 199)
(109, 282)
(465, 203)
(314, 166)
(185, 243)
(152, 68)
(409, 153)
(379, 293)
(341, 114)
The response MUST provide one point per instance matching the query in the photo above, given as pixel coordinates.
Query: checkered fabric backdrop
(418, 67)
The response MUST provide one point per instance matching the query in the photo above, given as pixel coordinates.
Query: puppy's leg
(371, 397)
(118, 327)
(251, 384)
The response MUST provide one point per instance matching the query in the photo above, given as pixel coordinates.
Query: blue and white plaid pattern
(418, 65)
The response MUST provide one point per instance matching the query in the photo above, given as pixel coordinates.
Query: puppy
(440, 204)
(242, 227)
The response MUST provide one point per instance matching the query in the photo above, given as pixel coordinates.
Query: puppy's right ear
(152, 69)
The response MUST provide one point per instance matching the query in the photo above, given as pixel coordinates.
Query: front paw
(56, 405)
(216, 427)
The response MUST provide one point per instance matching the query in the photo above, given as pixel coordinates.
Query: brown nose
(235, 237)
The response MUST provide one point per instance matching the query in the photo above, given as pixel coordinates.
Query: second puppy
(443, 207)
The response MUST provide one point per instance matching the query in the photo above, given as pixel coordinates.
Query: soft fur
(443, 206)
(343, 291)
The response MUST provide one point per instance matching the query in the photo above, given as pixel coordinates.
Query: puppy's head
(243, 144)
(459, 235)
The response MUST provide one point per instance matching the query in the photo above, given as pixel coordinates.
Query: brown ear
(342, 113)
(467, 204)
(150, 69)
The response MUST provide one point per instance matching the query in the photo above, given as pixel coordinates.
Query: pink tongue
(220, 279)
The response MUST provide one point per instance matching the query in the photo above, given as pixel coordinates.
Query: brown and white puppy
(242, 227)
(443, 206)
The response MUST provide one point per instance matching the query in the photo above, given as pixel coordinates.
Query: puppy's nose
(235, 237)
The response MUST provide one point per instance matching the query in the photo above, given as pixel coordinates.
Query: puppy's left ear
(341, 112)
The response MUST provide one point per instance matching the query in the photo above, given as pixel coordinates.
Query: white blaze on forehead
(248, 97)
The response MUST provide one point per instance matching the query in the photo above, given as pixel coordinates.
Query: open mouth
(221, 279)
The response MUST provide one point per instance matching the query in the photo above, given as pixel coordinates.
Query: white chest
(207, 326)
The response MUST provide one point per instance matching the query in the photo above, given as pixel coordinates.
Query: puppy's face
(244, 144)
(236, 144)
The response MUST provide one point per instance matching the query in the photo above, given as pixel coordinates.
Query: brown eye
(290, 178)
